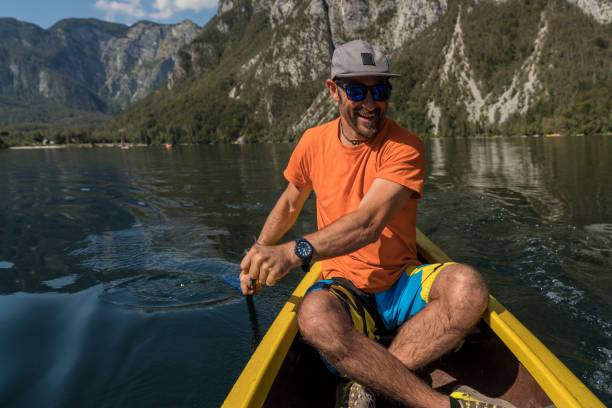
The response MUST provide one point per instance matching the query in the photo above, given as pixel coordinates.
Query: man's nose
(369, 102)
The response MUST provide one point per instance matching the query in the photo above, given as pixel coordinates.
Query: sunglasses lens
(381, 92)
(356, 92)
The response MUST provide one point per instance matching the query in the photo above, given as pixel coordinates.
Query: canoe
(501, 358)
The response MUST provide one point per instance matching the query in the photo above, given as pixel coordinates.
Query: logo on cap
(367, 58)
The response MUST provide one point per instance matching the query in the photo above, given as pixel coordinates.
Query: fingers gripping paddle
(234, 280)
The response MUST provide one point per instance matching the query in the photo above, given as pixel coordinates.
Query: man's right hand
(248, 285)
(266, 264)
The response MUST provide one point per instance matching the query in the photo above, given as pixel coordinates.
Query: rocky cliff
(83, 65)
(257, 70)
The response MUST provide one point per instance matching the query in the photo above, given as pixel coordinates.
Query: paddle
(234, 280)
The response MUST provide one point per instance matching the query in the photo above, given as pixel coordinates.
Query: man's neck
(349, 141)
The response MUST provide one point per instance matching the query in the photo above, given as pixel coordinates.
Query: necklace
(354, 142)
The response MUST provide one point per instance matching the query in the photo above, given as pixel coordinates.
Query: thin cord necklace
(354, 142)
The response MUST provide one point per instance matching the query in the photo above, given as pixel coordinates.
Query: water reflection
(492, 163)
(533, 215)
(116, 210)
(113, 262)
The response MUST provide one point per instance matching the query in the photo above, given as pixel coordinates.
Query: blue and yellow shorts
(379, 315)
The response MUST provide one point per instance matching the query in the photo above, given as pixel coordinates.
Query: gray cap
(358, 58)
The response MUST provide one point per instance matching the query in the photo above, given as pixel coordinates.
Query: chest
(341, 180)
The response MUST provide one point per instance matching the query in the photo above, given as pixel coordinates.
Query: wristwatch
(303, 249)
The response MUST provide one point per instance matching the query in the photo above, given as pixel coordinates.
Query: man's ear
(333, 89)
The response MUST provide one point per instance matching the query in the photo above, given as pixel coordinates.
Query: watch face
(303, 249)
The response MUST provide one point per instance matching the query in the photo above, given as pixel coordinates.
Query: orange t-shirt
(341, 175)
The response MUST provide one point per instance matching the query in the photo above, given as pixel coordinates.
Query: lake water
(112, 262)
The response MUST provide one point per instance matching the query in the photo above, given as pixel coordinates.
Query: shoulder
(317, 138)
(314, 140)
(400, 138)
(321, 131)
(401, 158)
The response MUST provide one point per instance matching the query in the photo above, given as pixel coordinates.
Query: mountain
(83, 70)
(470, 67)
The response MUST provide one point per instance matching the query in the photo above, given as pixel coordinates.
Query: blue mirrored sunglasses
(357, 92)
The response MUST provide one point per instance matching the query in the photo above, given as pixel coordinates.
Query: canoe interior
(483, 362)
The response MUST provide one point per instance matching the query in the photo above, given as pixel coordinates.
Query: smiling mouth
(367, 116)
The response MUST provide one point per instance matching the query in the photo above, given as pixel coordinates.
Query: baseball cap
(358, 58)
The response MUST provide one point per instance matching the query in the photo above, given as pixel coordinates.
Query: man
(367, 173)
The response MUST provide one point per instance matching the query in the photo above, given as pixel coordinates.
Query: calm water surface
(112, 263)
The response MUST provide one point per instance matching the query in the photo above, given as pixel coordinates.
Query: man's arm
(384, 199)
(279, 221)
(363, 226)
(284, 214)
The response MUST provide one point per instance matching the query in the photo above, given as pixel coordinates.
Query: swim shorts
(379, 315)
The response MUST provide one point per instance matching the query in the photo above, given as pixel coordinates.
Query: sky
(45, 13)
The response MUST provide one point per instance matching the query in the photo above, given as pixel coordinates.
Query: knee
(309, 317)
(466, 292)
(470, 282)
(320, 320)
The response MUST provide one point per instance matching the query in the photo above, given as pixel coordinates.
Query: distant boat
(168, 146)
(554, 134)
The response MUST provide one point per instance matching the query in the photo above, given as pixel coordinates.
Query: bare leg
(325, 324)
(457, 299)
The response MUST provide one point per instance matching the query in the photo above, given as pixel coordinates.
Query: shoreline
(79, 145)
(130, 145)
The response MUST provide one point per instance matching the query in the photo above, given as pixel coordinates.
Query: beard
(364, 122)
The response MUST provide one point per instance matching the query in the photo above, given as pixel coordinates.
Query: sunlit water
(114, 264)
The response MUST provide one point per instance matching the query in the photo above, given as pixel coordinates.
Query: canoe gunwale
(257, 377)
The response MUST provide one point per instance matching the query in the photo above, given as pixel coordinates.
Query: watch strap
(306, 256)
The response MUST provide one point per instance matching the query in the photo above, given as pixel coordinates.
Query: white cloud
(160, 9)
(195, 5)
(167, 8)
(128, 8)
(164, 9)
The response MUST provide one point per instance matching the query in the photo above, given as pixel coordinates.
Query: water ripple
(155, 275)
(600, 379)
(164, 291)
